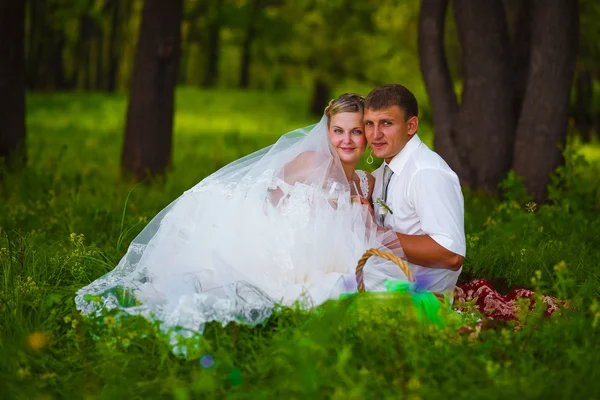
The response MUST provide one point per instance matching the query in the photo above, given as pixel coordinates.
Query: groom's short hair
(393, 95)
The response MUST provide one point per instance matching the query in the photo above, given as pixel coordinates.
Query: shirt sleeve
(439, 204)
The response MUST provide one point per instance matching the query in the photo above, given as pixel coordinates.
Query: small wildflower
(110, 322)
(561, 266)
(489, 222)
(531, 206)
(37, 340)
(472, 240)
(207, 361)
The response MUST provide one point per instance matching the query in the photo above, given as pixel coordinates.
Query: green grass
(60, 226)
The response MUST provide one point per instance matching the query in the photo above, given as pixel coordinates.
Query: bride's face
(347, 135)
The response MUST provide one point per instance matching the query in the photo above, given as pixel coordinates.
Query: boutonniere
(384, 207)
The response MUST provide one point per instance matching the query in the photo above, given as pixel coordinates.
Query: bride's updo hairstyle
(347, 102)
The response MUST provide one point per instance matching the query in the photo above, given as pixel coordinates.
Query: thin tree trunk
(485, 123)
(113, 46)
(84, 52)
(99, 81)
(192, 38)
(149, 127)
(438, 82)
(247, 45)
(320, 97)
(12, 82)
(58, 78)
(521, 53)
(35, 42)
(45, 67)
(31, 37)
(214, 45)
(542, 126)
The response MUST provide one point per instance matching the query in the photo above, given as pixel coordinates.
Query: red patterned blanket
(494, 305)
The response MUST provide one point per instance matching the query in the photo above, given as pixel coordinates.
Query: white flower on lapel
(385, 209)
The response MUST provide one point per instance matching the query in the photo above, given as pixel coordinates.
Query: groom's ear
(413, 125)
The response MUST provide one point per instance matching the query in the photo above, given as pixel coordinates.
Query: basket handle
(383, 254)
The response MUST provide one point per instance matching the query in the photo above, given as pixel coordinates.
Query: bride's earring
(370, 159)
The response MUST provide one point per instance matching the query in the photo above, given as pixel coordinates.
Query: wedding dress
(276, 227)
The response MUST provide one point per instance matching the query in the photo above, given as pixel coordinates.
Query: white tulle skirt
(223, 254)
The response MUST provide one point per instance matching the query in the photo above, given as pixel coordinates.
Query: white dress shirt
(425, 198)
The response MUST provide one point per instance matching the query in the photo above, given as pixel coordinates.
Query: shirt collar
(400, 159)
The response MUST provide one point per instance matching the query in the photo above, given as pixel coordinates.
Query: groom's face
(388, 130)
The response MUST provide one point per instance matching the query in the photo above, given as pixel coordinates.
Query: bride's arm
(298, 170)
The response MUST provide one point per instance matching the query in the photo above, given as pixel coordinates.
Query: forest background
(97, 95)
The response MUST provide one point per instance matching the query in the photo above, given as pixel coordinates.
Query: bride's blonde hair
(347, 102)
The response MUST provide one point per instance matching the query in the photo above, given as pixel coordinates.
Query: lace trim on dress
(364, 182)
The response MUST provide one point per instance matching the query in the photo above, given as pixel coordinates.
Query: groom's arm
(423, 250)
(438, 202)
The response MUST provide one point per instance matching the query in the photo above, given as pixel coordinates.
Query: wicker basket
(388, 256)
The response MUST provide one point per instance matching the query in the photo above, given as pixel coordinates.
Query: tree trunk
(521, 53)
(149, 127)
(98, 60)
(485, 123)
(34, 42)
(247, 45)
(214, 45)
(113, 46)
(193, 37)
(84, 56)
(45, 67)
(476, 137)
(438, 82)
(320, 97)
(542, 126)
(12, 82)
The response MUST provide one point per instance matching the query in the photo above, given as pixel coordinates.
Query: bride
(284, 225)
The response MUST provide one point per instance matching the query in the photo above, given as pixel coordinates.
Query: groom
(416, 194)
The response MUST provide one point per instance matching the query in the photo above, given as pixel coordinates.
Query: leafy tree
(331, 41)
